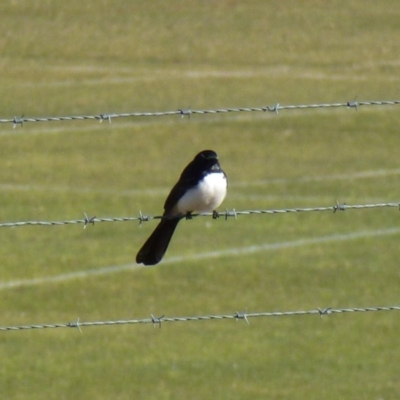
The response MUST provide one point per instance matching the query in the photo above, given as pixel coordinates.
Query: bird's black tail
(156, 245)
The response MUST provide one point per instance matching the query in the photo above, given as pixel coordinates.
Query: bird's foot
(215, 214)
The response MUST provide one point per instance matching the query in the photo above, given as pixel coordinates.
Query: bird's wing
(180, 188)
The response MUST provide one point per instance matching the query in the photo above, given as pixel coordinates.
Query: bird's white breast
(206, 196)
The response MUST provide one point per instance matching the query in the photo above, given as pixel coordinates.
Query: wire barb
(353, 104)
(106, 117)
(242, 315)
(339, 206)
(232, 213)
(74, 325)
(88, 220)
(143, 218)
(324, 311)
(274, 108)
(185, 112)
(18, 121)
(156, 320)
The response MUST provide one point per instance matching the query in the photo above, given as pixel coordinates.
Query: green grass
(116, 56)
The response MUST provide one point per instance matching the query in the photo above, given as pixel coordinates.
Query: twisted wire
(188, 112)
(225, 214)
(157, 321)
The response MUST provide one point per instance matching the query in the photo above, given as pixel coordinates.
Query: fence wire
(188, 112)
(225, 214)
(158, 321)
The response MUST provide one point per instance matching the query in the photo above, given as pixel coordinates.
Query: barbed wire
(225, 214)
(157, 321)
(188, 112)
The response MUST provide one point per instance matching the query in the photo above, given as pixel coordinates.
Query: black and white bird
(201, 187)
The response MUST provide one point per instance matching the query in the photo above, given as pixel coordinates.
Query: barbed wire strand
(225, 214)
(188, 112)
(157, 321)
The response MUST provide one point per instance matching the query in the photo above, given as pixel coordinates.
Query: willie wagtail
(201, 187)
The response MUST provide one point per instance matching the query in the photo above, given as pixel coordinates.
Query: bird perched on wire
(201, 187)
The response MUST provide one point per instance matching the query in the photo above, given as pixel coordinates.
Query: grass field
(74, 58)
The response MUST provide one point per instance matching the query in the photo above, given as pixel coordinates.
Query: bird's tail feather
(156, 245)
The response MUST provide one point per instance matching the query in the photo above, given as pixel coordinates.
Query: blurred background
(94, 57)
